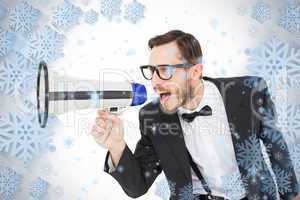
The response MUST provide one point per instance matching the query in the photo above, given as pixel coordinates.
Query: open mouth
(164, 96)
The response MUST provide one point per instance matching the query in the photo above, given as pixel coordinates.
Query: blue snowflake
(268, 184)
(249, 155)
(283, 180)
(91, 17)
(3, 12)
(261, 12)
(16, 76)
(289, 120)
(134, 12)
(38, 189)
(295, 156)
(68, 142)
(186, 192)
(22, 137)
(6, 41)
(276, 62)
(233, 185)
(165, 189)
(290, 17)
(9, 183)
(110, 8)
(23, 17)
(66, 15)
(46, 45)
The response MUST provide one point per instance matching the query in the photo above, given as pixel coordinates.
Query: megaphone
(53, 97)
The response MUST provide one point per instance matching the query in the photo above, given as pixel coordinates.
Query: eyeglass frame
(181, 65)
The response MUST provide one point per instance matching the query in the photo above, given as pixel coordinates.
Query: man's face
(173, 92)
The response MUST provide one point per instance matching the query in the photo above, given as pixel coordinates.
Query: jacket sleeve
(136, 171)
(277, 148)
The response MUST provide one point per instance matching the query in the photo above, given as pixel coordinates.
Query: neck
(194, 100)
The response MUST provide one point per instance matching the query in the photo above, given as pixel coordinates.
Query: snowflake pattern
(91, 17)
(290, 17)
(10, 182)
(66, 15)
(261, 12)
(233, 186)
(23, 18)
(134, 12)
(68, 142)
(295, 156)
(46, 45)
(16, 75)
(289, 120)
(283, 180)
(110, 8)
(249, 155)
(268, 184)
(38, 189)
(22, 137)
(186, 192)
(276, 61)
(6, 41)
(165, 189)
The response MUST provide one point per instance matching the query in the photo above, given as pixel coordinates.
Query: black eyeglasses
(164, 72)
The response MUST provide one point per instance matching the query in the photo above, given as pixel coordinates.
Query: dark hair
(188, 45)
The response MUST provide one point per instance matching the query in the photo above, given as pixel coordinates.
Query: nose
(156, 81)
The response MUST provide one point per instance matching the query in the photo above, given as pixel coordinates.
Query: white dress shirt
(208, 139)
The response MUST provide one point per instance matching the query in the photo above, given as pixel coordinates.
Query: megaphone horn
(111, 95)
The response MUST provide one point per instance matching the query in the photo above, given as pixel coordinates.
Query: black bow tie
(189, 117)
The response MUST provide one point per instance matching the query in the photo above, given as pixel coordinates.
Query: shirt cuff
(111, 166)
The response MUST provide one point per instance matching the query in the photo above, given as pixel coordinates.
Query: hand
(108, 131)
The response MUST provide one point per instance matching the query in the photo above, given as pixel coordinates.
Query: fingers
(106, 116)
(100, 134)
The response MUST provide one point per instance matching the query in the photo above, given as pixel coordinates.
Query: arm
(136, 171)
(277, 148)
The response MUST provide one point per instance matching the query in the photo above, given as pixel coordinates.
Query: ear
(196, 71)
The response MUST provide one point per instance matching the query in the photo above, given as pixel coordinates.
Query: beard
(180, 97)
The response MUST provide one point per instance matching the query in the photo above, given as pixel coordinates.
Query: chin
(169, 108)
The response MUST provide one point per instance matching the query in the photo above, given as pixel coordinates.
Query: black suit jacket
(251, 118)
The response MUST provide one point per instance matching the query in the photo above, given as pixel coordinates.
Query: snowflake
(134, 12)
(23, 17)
(289, 120)
(38, 189)
(68, 142)
(249, 155)
(295, 156)
(261, 12)
(268, 184)
(9, 183)
(290, 17)
(66, 15)
(3, 12)
(91, 17)
(165, 189)
(186, 193)
(16, 75)
(283, 180)
(233, 185)
(22, 137)
(110, 8)
(46, 45)
(6, 41)
(276, 62)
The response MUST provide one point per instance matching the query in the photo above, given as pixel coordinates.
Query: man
(204, 133)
